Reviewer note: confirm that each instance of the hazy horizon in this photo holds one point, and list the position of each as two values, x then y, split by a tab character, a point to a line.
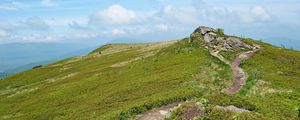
45	30
99	21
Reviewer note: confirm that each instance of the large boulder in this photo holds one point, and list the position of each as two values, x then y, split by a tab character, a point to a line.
217	41
209	37
237	43
203	30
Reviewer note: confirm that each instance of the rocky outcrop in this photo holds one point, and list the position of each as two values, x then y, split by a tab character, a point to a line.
217	41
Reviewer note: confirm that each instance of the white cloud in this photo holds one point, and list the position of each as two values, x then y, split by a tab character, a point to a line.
116	20
38	38
131	30
58	22
68	22
3	33
31	38
140	29
118	32
162	27
184	15
260	13
47	38
35	23
14	6
5	25
48	3
209	14
116	14
30	24
255	14
75	25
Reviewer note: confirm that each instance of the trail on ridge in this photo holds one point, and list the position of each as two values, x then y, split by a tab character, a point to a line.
239	75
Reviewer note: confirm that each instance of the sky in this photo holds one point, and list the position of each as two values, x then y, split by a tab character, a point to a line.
274	21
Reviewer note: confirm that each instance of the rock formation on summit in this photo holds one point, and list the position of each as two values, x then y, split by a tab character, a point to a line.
218	40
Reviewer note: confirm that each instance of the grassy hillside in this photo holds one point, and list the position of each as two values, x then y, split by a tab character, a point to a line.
103	85
273	87
119	81
276	82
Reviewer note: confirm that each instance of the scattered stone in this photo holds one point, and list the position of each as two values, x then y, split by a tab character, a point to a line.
217	41
191	110
165	113
158	113
38	66
209	37
233	109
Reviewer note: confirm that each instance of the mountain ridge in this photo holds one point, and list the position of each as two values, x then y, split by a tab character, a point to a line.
123	81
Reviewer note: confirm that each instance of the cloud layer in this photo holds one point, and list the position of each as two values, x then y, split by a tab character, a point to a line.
73	20
115	15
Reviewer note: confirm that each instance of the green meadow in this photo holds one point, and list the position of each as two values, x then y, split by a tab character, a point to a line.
120	81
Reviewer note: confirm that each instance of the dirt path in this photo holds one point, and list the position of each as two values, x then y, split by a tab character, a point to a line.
158	113
239	80
239	75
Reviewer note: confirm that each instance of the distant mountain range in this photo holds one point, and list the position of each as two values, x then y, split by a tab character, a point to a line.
284	42
18	57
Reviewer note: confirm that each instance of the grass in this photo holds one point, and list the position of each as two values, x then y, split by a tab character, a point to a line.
229	55
91	87
279	68
101	49
277	71
249	84
272	89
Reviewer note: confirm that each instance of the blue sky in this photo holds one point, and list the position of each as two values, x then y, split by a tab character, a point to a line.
274	21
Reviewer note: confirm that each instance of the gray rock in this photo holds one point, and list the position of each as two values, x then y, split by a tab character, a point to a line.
232	40
237	43
233	109
221	39
226	46
209	37
203	30
217	42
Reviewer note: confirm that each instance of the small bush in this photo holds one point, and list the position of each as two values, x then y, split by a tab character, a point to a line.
220	31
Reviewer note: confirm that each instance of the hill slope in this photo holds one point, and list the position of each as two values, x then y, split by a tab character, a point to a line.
120	81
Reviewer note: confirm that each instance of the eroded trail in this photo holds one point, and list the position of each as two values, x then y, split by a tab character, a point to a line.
239	80
158	113
239	75
217	43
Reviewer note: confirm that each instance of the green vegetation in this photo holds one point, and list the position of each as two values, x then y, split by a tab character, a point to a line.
209	111
249	84
229	55
220	32
123	80
272	89
104	47
92	87
205	107
277	74
176	114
